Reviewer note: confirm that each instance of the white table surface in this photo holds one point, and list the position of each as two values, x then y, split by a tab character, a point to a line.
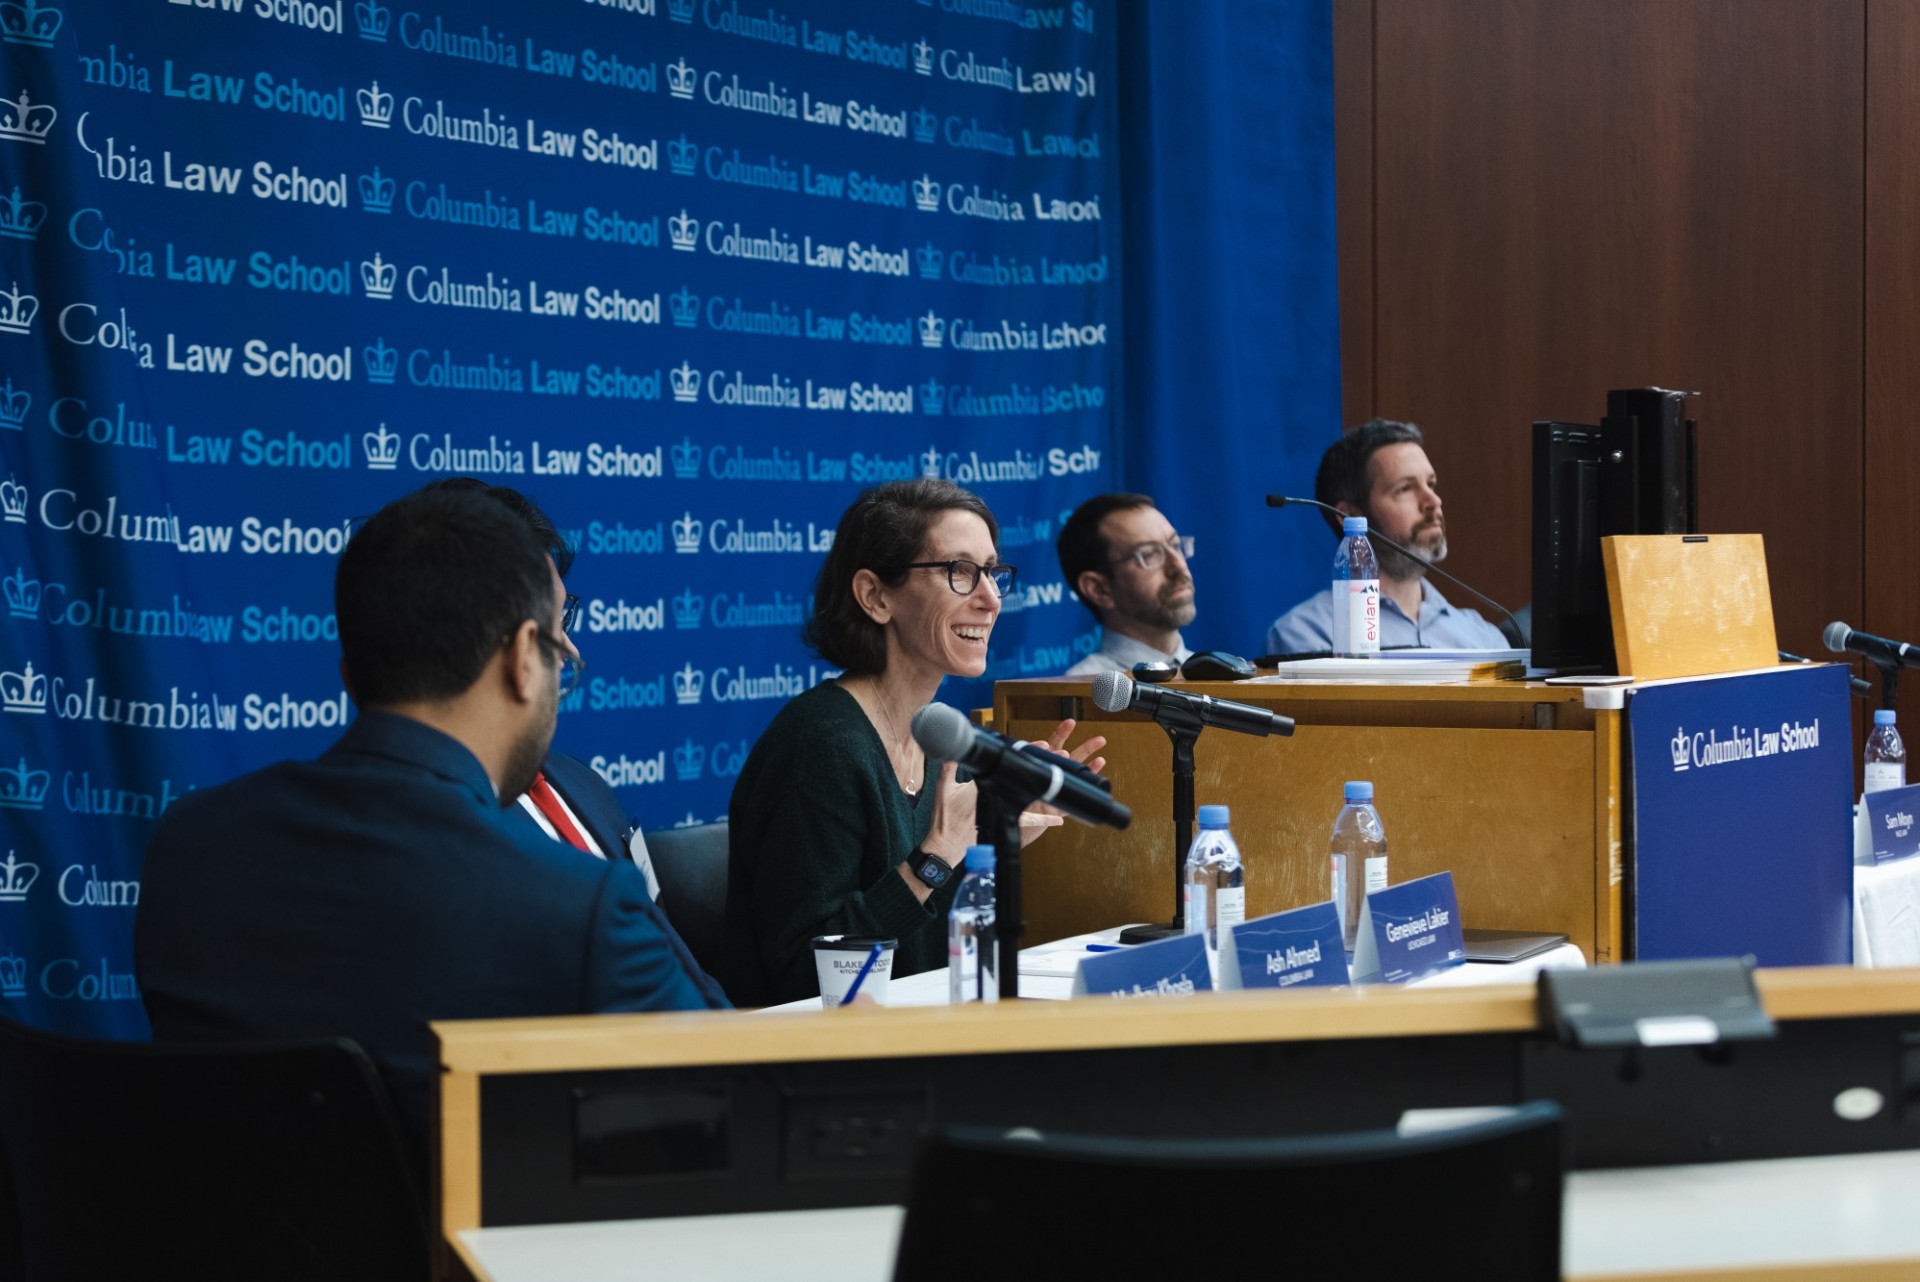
1046	972
1747	1216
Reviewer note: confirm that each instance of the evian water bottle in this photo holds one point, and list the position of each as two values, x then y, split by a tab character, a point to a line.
1359	857
1356	593
1886	755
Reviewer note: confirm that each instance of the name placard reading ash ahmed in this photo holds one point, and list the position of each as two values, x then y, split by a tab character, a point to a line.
1286	949
1173	967
1408	932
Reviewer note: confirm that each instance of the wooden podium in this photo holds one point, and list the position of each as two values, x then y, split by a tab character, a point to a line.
1513	787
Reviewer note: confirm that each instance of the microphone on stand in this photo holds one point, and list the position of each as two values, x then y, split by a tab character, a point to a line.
1842	639
1117	692
1282	500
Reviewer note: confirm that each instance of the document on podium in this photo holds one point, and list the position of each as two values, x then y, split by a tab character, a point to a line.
1405	666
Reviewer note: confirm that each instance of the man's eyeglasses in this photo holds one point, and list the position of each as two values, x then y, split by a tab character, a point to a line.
1151	556
571	665
964	576
570	613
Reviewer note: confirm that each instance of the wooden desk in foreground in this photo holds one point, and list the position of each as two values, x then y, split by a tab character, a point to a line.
570	1120
1514	787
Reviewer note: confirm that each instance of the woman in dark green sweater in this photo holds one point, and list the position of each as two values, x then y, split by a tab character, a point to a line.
836	828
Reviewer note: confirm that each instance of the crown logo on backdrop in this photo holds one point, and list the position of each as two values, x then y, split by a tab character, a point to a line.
687	608
17	310
686	461
29	23
383	449
681	11
686	533
680	78
23	789
931	260
686	382
376	192
691	821
22	593
688	759
23	691
1682	749
925	125
21	218
21	121
374	20
681	155
383	362
685	306
933	397
378	276
688	683
923	57
13	975
376	107
13	501
684	229
926	194
13	407
930	461
933	330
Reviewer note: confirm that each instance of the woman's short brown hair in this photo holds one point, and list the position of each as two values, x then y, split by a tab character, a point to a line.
884	531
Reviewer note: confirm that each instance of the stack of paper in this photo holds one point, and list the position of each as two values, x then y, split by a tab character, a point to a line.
1408	666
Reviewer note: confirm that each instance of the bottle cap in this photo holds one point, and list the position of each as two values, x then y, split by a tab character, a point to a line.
1213	816
1359	790
980	858
1883	716
1353	525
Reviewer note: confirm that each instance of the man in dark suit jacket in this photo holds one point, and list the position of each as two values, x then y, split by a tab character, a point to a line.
382	886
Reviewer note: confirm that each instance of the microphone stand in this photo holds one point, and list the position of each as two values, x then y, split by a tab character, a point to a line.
1184	731
997	817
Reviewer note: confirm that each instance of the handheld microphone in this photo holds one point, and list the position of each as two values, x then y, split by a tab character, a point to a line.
1117	692
1861	689
1282	500
945	734
1842	639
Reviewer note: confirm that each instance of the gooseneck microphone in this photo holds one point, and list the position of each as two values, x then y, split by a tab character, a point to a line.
1842	639
945	734
1117	692
1282	500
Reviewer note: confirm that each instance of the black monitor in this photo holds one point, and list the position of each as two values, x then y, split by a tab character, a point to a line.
1633	474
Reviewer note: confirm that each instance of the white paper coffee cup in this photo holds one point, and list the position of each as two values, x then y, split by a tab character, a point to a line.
838	959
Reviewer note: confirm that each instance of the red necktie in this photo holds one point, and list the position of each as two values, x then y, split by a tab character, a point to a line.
548	803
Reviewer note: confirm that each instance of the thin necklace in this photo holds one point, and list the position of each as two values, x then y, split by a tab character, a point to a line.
911	789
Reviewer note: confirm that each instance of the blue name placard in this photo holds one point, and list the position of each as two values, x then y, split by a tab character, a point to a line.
1891	831
1166	968
1285	949
1408	932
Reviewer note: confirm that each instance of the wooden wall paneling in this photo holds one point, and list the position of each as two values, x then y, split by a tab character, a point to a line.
1572	197
1890	514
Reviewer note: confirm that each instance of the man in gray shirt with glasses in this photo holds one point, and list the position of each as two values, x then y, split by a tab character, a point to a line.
1123	560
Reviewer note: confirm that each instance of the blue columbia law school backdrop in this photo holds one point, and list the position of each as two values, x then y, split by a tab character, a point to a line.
690	273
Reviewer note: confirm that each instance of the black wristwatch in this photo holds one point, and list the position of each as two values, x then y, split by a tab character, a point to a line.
932	870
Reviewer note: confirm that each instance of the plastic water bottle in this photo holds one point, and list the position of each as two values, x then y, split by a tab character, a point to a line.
1216	898
973	959
1359	857
1886	755
1356	592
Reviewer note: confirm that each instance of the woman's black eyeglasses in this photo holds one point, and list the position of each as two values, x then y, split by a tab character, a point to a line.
963	576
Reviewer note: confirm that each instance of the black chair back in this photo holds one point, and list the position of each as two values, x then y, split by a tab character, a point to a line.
692	866
269	1160
1483	1200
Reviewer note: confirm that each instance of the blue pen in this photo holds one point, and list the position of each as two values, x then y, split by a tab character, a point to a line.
1106	948
854	990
